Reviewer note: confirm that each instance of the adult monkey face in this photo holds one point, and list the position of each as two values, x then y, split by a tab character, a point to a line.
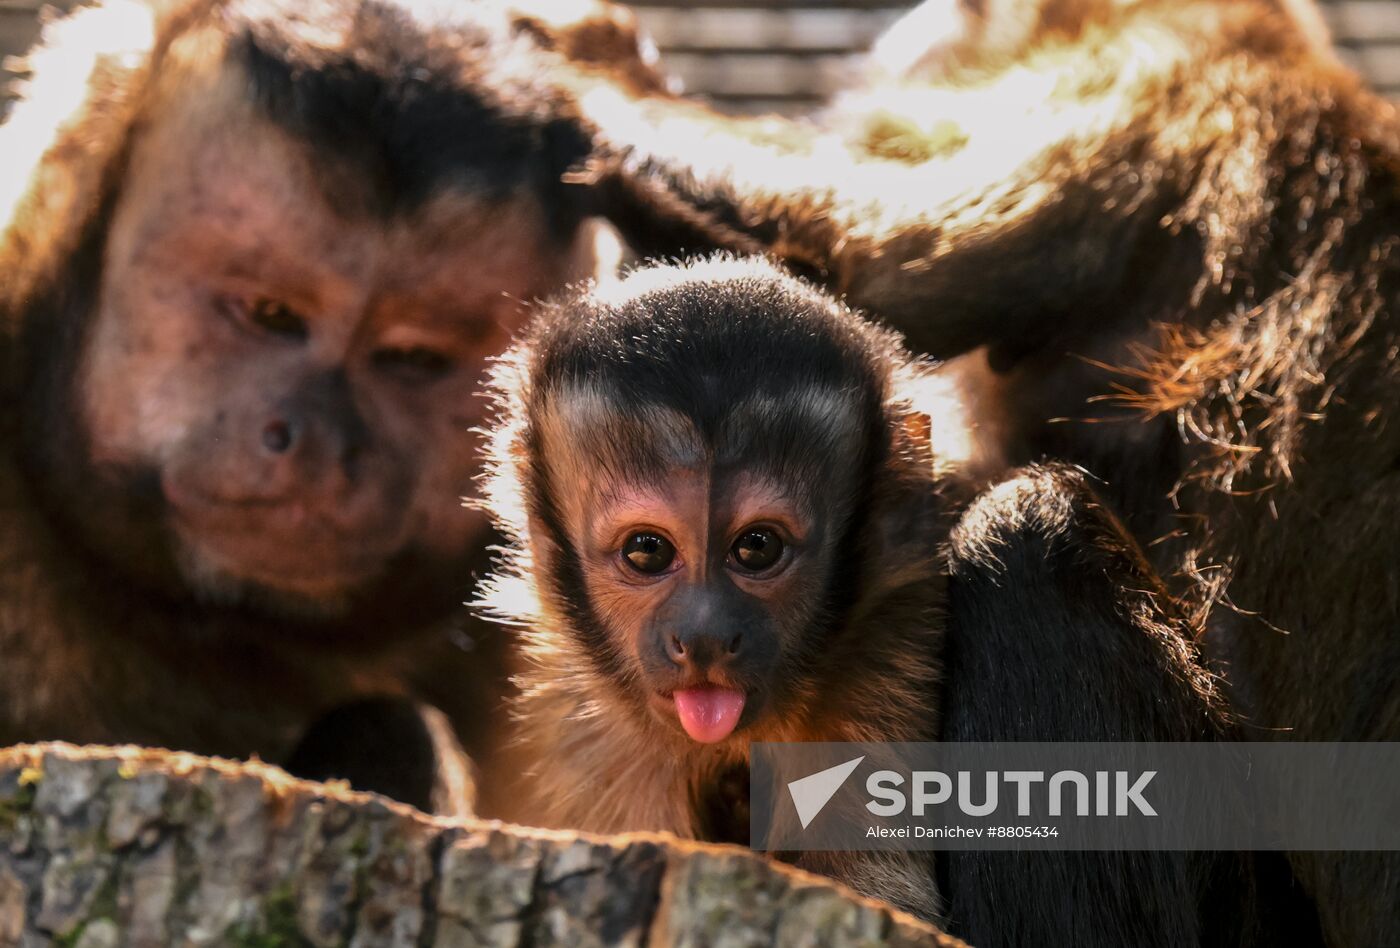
252	255
296	378
272	393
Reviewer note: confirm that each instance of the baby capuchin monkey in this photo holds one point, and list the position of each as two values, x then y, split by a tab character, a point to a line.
737	512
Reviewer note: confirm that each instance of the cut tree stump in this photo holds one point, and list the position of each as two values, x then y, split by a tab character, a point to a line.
101	847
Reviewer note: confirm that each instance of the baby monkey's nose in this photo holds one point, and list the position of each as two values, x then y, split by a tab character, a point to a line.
701	648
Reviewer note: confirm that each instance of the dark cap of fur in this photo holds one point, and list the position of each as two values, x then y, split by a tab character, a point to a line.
716	341
414	106
699	338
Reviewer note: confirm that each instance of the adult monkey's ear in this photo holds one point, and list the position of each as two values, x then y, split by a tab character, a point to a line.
595	34
601	44
935	466
62	147
906	517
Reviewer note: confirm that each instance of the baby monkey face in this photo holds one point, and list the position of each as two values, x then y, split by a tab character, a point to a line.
699	476
704	580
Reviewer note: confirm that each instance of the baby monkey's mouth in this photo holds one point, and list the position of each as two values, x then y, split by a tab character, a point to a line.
708	713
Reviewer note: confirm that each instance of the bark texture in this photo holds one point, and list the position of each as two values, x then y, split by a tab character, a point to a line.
101	847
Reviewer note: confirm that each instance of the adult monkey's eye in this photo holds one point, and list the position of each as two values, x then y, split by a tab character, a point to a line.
648	553
757	549
277	319
417	362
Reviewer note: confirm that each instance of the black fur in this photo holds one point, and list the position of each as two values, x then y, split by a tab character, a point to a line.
1059	631
384	744
1052	627
1187	287
690	345
415	108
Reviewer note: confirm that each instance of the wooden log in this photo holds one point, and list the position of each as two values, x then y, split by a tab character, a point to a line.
101	847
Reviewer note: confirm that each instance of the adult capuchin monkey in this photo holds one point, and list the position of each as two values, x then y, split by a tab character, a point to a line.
1163	233
253	257
738	512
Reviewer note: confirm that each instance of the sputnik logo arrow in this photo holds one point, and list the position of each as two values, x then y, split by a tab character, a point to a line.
812	793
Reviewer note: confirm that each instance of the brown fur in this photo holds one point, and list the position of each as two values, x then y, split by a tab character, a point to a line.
1165	232
620	410
592	755
163	578
595	33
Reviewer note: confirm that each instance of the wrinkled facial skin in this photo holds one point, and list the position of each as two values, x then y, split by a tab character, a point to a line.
297	384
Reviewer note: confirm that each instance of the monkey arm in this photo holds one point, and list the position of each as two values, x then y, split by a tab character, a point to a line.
1041	197
1041	227
1057	631
1042	571
403	749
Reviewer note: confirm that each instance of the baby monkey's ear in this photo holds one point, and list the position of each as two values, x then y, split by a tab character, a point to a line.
908	512
913	439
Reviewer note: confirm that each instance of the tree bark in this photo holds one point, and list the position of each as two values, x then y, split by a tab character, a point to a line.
101	847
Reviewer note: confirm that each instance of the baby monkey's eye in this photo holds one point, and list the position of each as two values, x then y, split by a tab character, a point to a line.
648	553
757	549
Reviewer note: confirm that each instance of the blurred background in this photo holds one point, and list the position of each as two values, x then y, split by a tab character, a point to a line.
788	55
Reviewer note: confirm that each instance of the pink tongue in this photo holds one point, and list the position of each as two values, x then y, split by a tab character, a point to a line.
709	714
